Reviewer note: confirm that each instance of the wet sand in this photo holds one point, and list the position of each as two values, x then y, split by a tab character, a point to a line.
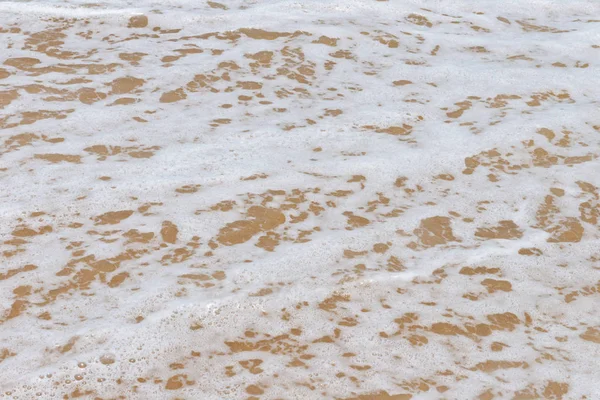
371	200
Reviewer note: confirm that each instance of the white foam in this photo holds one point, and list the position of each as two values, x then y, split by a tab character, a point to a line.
169	307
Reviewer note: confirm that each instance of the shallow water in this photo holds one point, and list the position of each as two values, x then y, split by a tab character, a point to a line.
300	200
